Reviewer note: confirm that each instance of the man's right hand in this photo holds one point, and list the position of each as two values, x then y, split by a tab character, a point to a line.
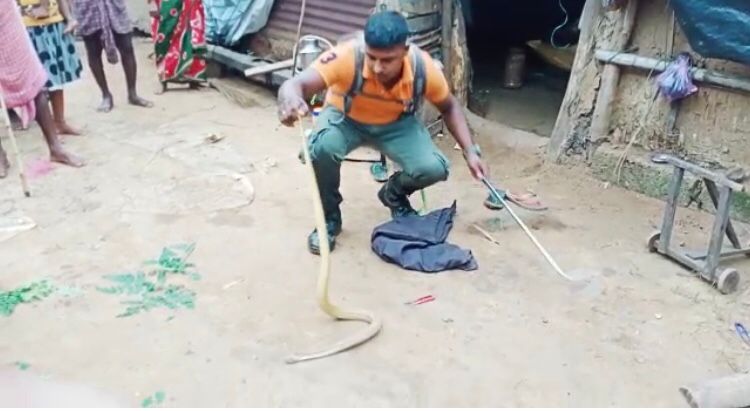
291	108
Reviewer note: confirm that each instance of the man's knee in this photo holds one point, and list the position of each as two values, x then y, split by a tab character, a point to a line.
328	145
429	171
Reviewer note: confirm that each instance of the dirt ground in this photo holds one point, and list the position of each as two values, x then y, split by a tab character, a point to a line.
512	333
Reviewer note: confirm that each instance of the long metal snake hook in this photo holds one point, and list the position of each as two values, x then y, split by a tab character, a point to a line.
526	230
375	323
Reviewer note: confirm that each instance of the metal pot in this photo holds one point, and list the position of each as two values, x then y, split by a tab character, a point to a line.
515	68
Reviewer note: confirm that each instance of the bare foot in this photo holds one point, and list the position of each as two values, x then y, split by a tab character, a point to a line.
107	104
135	100
4	164
66	130
163	89
59	155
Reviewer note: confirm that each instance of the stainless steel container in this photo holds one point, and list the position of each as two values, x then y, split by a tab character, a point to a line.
515	68
310	49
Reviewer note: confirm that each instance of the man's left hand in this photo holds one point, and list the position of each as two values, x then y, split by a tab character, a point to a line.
477	167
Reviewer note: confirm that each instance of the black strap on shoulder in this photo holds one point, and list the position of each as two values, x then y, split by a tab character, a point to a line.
412	106
358	81
420	80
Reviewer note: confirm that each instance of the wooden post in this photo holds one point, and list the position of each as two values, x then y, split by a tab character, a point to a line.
447	30
460	64
717	233
565	122
670	210
600	120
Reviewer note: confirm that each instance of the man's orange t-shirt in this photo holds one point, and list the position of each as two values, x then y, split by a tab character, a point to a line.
376	105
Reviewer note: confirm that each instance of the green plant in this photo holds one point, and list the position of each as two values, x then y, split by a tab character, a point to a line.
150	288
153	400
32	292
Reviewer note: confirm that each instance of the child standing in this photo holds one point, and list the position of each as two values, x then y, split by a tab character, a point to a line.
50	24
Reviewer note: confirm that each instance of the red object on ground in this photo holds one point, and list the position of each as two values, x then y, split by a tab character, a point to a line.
422	300
38	168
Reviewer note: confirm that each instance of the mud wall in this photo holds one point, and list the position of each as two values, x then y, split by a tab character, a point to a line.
712	126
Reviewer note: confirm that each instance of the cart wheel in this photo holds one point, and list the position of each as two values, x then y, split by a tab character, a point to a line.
729	279
653	242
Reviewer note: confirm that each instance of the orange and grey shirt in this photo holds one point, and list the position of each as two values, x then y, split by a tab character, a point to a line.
376	105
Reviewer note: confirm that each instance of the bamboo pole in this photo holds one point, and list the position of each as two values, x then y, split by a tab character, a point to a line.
14	146
710	77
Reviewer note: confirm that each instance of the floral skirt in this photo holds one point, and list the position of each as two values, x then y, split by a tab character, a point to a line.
57	52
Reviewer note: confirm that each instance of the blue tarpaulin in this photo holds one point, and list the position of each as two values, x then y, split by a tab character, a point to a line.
227	21
716	28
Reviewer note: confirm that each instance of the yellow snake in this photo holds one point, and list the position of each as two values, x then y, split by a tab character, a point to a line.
338	313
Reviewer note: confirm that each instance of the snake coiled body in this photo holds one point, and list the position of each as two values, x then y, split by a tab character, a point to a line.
374	322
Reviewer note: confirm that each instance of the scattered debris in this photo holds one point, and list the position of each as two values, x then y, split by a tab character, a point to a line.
485	234
742	332
153	400
268	164
33	292
423	300
150	288
231	284
23	366
213	138
12	225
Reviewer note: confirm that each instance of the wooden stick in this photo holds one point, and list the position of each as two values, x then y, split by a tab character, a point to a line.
701	75
487	236
269	68
14	146
702	172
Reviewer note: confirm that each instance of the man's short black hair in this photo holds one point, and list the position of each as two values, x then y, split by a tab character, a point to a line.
386	29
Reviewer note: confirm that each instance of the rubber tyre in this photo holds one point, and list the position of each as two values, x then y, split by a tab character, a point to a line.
653	241
729	280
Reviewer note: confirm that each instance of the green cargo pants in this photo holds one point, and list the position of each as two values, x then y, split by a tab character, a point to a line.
406	141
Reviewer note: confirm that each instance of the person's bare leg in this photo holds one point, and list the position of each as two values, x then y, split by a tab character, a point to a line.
4	164
57	98
44	117
124	44
94	48
15	121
